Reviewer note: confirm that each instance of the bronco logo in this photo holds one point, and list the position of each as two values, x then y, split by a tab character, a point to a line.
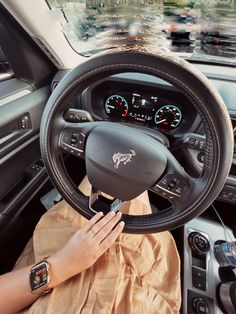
119	157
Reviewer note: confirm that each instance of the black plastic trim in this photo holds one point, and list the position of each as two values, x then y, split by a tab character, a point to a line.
27	61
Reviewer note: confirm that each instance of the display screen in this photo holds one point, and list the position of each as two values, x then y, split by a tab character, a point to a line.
38	276
148	109
143	109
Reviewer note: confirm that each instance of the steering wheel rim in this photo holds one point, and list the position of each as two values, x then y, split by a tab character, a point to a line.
203	96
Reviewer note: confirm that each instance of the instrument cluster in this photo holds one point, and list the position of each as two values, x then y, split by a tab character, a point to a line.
148	109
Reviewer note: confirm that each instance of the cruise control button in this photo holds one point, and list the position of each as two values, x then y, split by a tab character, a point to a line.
80	142
74	136
73	141
178	190
171	186
163	182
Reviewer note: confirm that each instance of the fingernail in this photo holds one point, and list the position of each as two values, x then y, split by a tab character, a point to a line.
111	214
122	223
119	214
100	214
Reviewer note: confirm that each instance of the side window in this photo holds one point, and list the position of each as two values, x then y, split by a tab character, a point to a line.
5	69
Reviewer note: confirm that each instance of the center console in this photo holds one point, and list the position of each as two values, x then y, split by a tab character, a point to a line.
228	193
202	276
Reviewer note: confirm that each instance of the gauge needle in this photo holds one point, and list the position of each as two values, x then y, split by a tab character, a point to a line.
161	121
109	106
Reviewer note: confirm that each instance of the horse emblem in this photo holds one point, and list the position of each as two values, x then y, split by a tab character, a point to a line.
125	158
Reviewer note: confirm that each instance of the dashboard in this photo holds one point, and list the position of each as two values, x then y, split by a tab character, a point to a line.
155	105
151	110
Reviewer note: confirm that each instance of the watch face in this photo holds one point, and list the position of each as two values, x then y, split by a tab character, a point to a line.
39	276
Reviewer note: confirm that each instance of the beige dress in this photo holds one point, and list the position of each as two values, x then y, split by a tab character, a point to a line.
139	274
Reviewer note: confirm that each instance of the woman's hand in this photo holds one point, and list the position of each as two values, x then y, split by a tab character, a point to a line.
81	252
85	247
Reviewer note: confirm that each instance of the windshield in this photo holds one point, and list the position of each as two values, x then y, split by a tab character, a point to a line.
199	30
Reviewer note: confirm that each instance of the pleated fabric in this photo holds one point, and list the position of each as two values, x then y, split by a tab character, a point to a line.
139	274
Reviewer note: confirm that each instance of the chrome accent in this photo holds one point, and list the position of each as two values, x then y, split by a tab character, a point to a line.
72	147
167	191
125	158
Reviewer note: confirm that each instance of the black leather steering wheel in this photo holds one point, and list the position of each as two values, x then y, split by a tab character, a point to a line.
122	161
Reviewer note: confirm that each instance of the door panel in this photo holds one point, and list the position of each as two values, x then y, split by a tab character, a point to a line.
23	95
21	171
20	120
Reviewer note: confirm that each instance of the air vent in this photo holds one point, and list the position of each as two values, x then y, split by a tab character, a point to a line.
54	84
57	78
46	49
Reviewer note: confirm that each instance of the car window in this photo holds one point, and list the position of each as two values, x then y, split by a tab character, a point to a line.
203	31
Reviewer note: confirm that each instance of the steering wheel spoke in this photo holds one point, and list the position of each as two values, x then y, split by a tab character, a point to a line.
72	141
173	187
174	184
98	202
73	137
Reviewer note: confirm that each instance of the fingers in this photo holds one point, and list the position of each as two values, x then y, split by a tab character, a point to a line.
93	221
112	220
111	238
100	224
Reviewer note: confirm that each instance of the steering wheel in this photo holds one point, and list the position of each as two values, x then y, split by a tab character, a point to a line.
123	161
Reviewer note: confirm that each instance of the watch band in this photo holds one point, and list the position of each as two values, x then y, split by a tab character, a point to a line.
39	277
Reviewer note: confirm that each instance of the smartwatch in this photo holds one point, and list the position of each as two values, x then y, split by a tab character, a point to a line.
39	277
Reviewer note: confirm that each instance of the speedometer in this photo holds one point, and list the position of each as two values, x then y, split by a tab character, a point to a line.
168	117
117	106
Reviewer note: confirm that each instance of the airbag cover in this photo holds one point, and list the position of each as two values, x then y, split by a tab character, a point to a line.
121	163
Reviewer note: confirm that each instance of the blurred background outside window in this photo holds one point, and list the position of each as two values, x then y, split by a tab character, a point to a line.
202	30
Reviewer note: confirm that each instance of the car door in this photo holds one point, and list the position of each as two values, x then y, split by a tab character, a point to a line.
25	76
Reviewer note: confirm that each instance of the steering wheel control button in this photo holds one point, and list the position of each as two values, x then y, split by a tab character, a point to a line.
200	306
77	115
165	193
72	143
172	185
194	141
198	243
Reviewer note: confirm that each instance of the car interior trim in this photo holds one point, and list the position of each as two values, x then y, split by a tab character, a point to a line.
8	99
18	149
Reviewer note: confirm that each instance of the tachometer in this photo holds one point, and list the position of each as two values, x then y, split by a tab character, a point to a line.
168	117
117	106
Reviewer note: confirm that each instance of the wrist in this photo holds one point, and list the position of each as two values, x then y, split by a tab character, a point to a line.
56	272
61	270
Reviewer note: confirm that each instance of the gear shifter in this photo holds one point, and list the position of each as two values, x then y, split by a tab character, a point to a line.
225	254
228	296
